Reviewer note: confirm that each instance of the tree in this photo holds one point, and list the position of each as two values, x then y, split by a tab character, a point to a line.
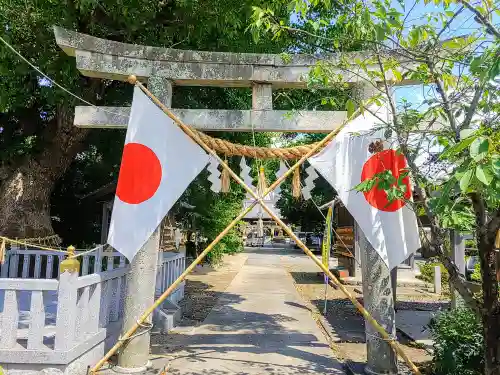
38	141
455	128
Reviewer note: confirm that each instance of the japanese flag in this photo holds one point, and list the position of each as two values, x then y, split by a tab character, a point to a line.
349	159
159	162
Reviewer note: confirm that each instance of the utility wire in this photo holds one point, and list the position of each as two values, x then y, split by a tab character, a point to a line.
55	83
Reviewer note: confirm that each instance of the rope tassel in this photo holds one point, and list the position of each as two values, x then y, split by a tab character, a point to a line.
262	183
296	183
2	250
224	180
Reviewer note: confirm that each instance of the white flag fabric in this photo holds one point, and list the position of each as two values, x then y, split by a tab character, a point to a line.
159	162
348	160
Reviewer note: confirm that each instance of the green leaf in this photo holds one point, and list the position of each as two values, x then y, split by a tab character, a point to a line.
475	63
455	149
350	107
466	180
366	185
380	30
397	75
466	133
479	148
483	174
495	165
452	44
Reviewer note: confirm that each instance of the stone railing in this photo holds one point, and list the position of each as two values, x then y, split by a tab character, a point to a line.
170	267
62	323
26	263
66	324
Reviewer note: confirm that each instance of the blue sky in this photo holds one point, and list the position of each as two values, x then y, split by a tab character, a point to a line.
462	25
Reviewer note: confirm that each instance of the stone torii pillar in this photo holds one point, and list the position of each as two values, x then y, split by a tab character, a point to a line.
378	294
142	276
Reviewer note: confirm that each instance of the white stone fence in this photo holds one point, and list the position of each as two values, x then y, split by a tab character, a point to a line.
69	322
58	322
170	267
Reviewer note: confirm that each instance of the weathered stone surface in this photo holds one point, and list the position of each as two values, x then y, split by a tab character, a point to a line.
262	96
142	276
21	372
220	120
51	371
103	58
378	300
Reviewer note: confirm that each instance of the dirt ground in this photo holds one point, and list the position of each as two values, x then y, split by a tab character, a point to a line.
347	325
205	285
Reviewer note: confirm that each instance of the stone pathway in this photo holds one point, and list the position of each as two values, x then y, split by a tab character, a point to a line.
259	326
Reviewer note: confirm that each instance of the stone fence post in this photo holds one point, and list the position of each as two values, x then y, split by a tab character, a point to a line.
66	303
437	279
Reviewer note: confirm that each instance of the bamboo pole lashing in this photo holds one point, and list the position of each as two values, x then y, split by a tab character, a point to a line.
258	199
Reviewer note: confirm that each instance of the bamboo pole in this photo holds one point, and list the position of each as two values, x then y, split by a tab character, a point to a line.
188	131
166	293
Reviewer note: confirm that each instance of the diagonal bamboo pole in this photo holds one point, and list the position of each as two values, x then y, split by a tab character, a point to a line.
169	290
188	131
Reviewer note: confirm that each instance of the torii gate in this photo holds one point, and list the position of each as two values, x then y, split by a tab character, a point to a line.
163	68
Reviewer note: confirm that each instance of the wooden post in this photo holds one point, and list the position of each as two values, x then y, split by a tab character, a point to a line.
497	247
106	207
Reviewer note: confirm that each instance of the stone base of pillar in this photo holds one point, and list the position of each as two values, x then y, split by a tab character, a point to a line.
357	368
133	370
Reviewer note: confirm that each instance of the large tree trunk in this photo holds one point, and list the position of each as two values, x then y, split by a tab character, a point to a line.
491	304
25	193
490	313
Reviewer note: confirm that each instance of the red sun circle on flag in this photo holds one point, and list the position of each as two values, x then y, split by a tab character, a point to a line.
140	174
382	161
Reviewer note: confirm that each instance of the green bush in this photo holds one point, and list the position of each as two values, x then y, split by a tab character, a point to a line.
427	272
476	275
458	343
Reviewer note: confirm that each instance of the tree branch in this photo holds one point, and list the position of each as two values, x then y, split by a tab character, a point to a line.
473	105
388	92
446	100
447	24
481	19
